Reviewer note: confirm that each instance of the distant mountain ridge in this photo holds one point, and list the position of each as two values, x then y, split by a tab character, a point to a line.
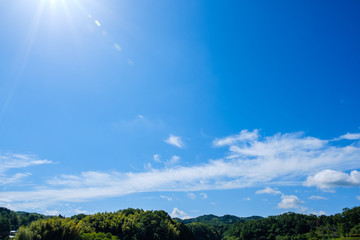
209	218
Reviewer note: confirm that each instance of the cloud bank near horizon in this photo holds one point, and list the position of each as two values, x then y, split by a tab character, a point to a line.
251	160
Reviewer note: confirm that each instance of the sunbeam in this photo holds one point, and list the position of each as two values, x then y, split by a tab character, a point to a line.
23	56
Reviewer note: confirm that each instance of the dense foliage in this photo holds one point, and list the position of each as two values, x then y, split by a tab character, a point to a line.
156	225
10	220
212	226
125	225
298	227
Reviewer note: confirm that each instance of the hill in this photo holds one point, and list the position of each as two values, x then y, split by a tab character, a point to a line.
129	224
214	220
11	220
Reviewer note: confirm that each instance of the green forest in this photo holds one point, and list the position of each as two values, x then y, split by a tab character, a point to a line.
137	224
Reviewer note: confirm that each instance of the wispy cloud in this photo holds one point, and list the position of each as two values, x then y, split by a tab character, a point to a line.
11	161
281	159
243	136
318	198
268	190
192	196
166	197
147	166
349	136
327	179
156	158
4	180
175	140
79	211
17	161
51	212
173	160
203	195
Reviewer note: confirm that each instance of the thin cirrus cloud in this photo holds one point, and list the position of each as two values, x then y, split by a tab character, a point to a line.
17	161
251	160
318	198
11	161
166	197
14	178
243	136
175	141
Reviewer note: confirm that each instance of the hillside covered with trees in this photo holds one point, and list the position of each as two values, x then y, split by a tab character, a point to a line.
10	220
156	225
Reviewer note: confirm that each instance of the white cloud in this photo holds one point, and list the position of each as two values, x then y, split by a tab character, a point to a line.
51	212
177	213
13	179
17	161
289	202
12	161
192	196
243	136
79	211
358	197
327	179
175	140
157	158
147	166
166	197
318	198
268	190
173	160
203	195
282	159
349	136
247	199
320	213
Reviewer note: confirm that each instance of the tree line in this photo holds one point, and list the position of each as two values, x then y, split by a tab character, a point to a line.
131	224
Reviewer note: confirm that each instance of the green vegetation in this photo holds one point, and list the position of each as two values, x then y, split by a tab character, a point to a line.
10	220
125	225
135	224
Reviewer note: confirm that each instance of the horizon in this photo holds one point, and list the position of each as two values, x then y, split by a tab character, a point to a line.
194	108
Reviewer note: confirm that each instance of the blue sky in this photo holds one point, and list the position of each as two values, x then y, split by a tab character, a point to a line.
193	107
